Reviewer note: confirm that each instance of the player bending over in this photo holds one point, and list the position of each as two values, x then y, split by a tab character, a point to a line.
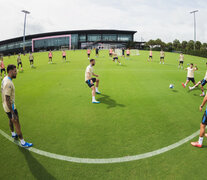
90	81
8	99
64	55
162	57
181	61
31	60
2	67
190	75
115	58
202	83
19	62
89	53
50	57
150	55
203	124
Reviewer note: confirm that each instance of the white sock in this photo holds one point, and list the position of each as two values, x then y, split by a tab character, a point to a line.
22	141
200	140
93	98
203	93
193	87
96	89
13	133
185	84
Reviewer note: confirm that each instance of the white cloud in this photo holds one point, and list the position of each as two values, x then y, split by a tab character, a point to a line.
152	19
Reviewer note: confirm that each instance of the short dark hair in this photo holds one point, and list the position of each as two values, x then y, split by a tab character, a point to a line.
92	60
10	67
191	63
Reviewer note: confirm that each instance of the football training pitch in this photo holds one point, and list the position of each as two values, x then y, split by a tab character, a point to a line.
138	114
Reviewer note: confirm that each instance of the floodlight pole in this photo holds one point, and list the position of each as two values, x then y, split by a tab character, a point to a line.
25	18
194	14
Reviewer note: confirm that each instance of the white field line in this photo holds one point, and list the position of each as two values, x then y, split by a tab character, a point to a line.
107	160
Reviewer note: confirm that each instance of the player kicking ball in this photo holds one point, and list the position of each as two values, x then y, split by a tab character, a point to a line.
190	75
90	81
202	83
203	124
115	58
8	99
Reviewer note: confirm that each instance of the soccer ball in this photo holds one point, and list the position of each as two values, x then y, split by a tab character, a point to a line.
171	86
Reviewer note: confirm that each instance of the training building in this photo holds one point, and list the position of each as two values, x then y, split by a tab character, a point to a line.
81	39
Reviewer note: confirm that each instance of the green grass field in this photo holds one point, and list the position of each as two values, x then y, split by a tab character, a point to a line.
138	114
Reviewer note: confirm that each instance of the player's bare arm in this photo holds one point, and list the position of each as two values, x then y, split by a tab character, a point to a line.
8	102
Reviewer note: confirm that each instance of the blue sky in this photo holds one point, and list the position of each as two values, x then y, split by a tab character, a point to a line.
165	19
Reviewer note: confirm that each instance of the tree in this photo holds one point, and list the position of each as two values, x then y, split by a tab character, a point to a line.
190	45
198	45
169	46
184	45
176	44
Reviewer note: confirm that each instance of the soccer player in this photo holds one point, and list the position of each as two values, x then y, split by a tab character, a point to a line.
115	58
50	57
202	83
97	52
190	75
2	67
150	55
89	53
181	61
162	57
31	59
8	100
128	53
110	52
90	80
203	124
19	62
123	52
64	55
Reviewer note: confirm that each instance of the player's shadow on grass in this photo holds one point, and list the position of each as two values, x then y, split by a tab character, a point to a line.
37	170
105	99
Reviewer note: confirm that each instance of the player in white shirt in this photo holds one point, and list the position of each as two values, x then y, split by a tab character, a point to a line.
181	61
90	80
202	83
190	75
162	57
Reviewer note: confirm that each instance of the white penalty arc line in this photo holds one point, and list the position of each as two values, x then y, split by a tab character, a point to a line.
108	160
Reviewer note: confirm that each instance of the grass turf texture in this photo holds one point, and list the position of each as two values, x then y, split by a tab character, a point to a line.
138	113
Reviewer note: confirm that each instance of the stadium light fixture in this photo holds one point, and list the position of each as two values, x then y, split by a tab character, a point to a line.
194	14
25	17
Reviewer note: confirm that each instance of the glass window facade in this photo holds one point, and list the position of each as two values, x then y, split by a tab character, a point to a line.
109	37
82	38
94	37
124	37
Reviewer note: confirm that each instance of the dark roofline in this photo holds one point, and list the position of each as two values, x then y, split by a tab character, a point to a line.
92	31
